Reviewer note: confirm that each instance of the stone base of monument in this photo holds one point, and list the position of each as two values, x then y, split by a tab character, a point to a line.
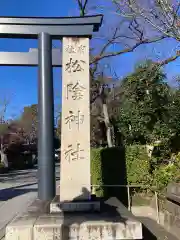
115	222
92	205
172	212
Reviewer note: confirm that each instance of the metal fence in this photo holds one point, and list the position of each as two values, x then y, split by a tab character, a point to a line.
142	200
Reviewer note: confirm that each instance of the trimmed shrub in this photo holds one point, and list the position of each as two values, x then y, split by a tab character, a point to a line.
115	166
96	171
108	167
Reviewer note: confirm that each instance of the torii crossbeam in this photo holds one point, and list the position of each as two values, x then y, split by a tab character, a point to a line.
28	59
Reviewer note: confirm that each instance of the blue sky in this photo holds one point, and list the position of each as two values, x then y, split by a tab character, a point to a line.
21	83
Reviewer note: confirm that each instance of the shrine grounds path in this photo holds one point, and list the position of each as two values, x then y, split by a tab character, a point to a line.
17	190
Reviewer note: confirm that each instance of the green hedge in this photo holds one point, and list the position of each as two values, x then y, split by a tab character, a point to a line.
108	167
138	165
118	166
96	171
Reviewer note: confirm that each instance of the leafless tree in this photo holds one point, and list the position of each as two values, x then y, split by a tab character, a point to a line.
4	103
133	23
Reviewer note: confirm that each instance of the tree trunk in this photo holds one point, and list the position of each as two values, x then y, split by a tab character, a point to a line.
4	159
108	126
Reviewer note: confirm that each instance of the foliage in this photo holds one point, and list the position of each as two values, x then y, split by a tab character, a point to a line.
164	175
145	100
147	108
29	123
174	112
108	169
105	170
96	171
138	166
176	158
115	166
142	109
13	133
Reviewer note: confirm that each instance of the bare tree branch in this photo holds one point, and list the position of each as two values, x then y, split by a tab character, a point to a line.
4	102
82	7
126	50
169	60
160	14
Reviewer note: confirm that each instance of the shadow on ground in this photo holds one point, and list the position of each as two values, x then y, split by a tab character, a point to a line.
25	175
9	193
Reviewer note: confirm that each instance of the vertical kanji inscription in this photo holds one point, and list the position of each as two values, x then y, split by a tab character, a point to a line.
75	132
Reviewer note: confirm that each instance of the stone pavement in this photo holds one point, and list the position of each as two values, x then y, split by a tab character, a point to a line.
17	204
18	189
23	196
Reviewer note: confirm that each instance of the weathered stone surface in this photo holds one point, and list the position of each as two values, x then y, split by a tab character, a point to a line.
173	189
21	228
172	223
39	207
104	231
74	207
172	208
48	227
55	227
115	224
72	228
75	133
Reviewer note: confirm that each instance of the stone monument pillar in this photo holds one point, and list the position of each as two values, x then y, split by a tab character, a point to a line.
75	131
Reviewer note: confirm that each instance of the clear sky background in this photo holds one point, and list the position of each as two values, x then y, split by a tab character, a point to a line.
20	83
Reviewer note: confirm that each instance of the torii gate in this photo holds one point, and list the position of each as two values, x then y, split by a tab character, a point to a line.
28	59
44	29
